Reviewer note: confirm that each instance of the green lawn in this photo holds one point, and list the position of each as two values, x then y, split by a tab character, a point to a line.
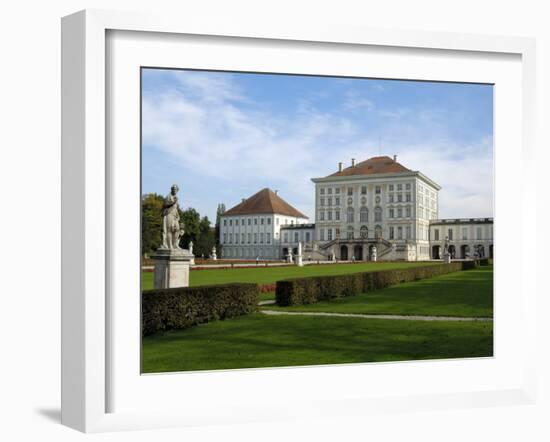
268	275
466	293
273	341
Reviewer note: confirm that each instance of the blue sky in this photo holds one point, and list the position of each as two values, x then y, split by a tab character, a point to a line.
224	136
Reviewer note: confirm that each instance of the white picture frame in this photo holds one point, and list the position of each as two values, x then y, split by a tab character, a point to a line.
87	208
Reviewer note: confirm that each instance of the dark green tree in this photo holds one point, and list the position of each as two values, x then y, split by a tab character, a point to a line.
205	239
151	222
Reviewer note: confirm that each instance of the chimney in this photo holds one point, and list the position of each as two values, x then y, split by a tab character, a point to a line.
353	162
340	164
395	158
243	200
276	191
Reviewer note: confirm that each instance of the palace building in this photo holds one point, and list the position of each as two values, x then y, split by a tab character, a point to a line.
374	207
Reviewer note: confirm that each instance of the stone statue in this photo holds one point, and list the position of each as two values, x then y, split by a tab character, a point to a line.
214	255
171	230
191	247
289	256
446	246
374	256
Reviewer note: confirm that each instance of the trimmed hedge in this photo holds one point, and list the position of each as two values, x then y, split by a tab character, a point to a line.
183	307
320	288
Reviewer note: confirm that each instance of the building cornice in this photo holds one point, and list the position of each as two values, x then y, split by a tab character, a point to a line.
377	176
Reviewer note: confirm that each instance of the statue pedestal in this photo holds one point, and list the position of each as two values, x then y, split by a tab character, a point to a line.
447	258
299	261
172	268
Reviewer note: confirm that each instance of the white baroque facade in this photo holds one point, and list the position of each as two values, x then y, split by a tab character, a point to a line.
376	203
252	229
467	237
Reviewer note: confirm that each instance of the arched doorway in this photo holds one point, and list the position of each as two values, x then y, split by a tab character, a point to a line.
491	251
436	252
452	252
358	253
480	251
344	252
464	251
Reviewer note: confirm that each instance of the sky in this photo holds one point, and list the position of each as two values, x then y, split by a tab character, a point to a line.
223	136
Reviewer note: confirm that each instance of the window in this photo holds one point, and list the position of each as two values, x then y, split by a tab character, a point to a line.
255	221
330	191
224	238
296	238
322	234
450	234
337	232
242	238
225	222
420	212
269	221
363	190
337	191
322	201
408	232
350	201
230	238
399	187
330	201
399	197
249	237
399	232
390	197
408	211
408	197
308	237
262	221
464	233
391	232
322	191
364	215
337	200
248	221
321	215
350	191
329	234
337	215
286	237
377	189
329	215
436	234
349	217
478	233
236	238
399	212
390	187
391	212
255	238
261	238
408	186
378	214
230	222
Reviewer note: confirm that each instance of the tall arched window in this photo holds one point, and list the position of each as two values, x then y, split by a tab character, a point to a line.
378	214
350	215
364	215
364	232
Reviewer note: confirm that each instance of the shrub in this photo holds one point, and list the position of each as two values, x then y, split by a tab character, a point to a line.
319	288
183	307
483	261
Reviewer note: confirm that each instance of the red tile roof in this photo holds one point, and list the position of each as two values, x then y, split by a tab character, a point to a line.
265	201
374	165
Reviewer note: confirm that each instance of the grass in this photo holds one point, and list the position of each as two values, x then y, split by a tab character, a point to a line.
274	341
465	294
268	275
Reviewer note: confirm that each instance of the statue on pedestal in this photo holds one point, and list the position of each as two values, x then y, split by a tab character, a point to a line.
171	229
374	257
191	247
214	255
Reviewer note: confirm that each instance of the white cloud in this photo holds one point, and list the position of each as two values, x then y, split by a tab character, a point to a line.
209	126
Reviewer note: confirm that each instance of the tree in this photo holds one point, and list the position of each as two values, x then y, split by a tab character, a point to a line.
151	222
219	212
191	222
205	239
